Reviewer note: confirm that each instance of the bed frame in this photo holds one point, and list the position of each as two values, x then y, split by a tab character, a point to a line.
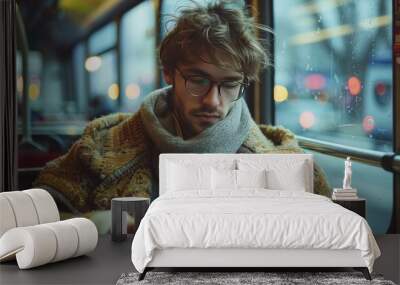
256	258
241	259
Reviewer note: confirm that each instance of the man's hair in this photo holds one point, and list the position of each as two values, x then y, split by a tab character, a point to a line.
224	34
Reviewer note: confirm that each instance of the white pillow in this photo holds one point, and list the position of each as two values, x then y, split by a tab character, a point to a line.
181	177
293	180
282	174
206	161
223	179
251	178
228	179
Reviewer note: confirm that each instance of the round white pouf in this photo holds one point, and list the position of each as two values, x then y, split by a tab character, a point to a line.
23	208
45	205
40	244
7	218
87	234
67	240
26	208
33	246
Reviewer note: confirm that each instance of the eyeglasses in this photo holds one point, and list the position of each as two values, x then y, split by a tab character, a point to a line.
199	86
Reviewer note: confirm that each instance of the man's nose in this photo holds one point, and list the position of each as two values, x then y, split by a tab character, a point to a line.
212	98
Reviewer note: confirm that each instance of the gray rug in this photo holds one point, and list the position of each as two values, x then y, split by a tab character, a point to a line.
229	278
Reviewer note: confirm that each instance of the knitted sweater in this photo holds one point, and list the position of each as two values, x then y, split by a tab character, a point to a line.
115	157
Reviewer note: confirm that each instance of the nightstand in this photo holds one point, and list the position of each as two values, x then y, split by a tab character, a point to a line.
357	206
120	209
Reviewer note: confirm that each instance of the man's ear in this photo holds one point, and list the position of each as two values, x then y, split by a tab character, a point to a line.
168	77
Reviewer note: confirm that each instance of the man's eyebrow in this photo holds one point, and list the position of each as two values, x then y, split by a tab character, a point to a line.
197	71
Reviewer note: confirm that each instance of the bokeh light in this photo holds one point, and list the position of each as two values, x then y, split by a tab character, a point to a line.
93	63
34	91
307	119
354	85
368	123
280	93
113	91
20	84
315	81
380	89
132	91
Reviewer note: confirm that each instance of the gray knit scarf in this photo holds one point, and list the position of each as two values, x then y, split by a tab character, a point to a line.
225	136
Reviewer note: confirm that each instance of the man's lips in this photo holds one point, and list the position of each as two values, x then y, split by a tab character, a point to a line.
207	117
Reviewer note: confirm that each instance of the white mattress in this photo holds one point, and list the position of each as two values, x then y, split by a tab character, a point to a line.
252	218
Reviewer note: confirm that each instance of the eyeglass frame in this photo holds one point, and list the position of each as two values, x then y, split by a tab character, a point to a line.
243	85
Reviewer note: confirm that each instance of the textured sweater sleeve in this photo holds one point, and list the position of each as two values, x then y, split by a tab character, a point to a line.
64	175
321	185
76	174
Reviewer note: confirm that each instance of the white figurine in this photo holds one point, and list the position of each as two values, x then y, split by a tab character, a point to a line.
347	174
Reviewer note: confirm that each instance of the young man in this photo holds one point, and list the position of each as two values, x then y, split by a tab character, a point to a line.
208	59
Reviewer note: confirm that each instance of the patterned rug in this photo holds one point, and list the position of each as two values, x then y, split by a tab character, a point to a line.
230	278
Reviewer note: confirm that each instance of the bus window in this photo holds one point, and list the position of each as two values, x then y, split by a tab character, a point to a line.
138	50
79	78
77	57
104	90
103	39
329	65
333	82
101	65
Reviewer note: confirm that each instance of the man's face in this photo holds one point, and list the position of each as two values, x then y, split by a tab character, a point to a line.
198	113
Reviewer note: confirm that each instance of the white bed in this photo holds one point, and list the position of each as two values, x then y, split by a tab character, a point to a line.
198	223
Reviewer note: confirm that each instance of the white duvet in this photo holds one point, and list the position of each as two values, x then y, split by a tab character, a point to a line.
252	218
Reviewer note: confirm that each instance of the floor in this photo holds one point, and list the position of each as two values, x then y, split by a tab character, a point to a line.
103	266
111	259
389	262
